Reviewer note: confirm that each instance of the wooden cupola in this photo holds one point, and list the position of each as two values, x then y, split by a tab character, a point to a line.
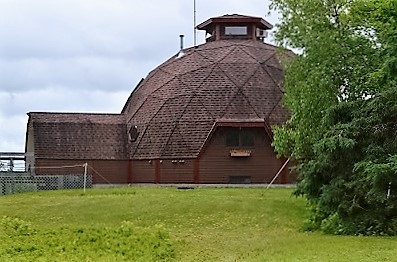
235	26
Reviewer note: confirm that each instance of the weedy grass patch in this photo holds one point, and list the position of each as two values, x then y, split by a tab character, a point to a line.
127	242
167	224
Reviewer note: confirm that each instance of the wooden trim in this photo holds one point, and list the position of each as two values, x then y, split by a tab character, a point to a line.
217	32
196	171
283	175
130	172
240	153
157	171
240	124
269	131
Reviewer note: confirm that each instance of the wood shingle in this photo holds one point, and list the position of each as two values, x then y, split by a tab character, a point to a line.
183	97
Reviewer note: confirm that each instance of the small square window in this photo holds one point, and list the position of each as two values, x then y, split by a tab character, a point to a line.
246	138
237	137
232	137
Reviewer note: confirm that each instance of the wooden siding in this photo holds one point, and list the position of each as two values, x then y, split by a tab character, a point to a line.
176	171
217	166
214	165
106	171
143	171
163	171
113	171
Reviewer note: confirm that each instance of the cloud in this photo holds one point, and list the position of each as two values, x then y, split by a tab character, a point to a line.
72	73
13	109
13	129
59	99
61	28
81	44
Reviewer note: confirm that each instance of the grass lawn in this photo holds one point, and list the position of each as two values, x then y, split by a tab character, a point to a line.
167	224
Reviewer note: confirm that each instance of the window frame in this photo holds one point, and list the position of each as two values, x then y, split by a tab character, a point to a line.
238	137
234	30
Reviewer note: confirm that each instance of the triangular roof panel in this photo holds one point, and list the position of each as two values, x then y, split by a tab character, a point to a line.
234	80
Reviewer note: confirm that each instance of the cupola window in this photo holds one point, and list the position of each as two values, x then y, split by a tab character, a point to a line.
236	30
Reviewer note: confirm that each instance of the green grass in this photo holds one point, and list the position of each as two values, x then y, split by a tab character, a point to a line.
167	224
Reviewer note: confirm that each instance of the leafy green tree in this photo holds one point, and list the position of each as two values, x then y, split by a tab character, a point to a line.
342	93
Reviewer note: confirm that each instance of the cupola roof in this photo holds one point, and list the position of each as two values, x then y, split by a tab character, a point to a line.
236	19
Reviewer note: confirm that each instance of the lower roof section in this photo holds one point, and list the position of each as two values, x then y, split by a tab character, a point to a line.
77	136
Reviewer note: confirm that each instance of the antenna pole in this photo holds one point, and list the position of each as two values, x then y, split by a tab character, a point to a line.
194	21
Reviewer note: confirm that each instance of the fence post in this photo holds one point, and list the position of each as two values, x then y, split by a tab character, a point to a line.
85	175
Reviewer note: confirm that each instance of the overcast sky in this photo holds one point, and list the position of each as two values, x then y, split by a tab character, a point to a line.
88	55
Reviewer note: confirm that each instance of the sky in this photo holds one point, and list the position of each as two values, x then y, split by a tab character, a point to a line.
88	55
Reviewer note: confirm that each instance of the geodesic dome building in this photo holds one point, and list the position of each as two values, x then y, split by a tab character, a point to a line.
203	116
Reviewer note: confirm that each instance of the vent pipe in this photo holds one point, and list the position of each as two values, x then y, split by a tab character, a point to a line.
181	37
180	53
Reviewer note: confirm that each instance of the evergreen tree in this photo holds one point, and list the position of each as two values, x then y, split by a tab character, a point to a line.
342	93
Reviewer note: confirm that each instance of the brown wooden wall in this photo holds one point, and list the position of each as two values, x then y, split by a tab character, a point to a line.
216	164
163	171
143	171
102	171
176	171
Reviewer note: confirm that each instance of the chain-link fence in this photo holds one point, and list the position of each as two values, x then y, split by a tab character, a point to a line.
11	183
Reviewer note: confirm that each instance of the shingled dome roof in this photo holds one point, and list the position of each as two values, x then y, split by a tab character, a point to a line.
173	112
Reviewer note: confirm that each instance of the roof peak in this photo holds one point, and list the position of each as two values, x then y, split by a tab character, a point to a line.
236	16
71	113
235	26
